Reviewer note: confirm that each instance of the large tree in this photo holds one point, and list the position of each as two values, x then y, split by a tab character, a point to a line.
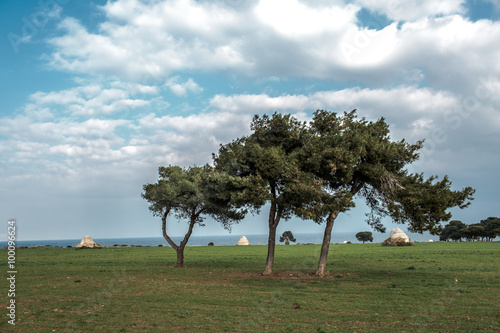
193	194
270	161
356	157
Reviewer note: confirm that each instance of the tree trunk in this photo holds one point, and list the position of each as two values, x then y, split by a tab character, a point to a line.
164	230
274	219
179	248
180	256
326	243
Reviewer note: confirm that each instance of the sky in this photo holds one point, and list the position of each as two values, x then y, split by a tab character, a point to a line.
96	95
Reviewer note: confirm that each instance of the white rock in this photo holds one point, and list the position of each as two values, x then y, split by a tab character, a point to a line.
243	241
88	243
398	233
396	236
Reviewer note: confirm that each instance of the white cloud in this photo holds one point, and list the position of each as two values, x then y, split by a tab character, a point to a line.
412	99
95	99
182	89
259	103
409	10
295	19
144	41
150	42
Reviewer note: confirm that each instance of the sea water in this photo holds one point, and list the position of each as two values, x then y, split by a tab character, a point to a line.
218	240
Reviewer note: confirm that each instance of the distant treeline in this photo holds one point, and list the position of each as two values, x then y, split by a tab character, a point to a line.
486	230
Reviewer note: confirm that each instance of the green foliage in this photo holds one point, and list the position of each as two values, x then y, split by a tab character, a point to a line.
357	157
364	236
287	237
423	203
488	230
491	227
453	230
401	243
193	194
269	162
271	165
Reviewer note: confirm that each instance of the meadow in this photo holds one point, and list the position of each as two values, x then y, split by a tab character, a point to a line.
429	287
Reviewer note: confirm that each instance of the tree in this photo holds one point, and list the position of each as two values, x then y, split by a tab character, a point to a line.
192	194
270	162
286	237
492	227
475	232
356	157
364	236
454	230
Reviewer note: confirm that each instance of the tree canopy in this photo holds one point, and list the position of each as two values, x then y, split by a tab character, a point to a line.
364	236
487	229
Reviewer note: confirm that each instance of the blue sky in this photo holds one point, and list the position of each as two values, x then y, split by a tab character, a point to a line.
97	94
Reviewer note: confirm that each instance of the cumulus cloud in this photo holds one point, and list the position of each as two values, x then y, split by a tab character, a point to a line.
143	41
182	89
447	121
412	99
96	99
151	42
295	19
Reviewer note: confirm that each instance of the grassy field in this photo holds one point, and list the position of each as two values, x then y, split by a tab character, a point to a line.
430	287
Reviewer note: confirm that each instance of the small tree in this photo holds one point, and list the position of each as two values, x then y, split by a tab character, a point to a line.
192	194
286	237
364	236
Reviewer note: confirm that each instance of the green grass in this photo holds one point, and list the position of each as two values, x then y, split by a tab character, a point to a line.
430	287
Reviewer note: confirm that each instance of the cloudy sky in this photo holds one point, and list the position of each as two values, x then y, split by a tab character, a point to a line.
97	94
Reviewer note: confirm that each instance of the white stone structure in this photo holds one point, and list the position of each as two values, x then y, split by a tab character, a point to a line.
396	236
243	241
88	243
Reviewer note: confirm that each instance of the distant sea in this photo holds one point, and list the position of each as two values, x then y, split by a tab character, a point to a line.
220	240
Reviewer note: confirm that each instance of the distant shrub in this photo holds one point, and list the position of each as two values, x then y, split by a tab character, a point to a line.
405	243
